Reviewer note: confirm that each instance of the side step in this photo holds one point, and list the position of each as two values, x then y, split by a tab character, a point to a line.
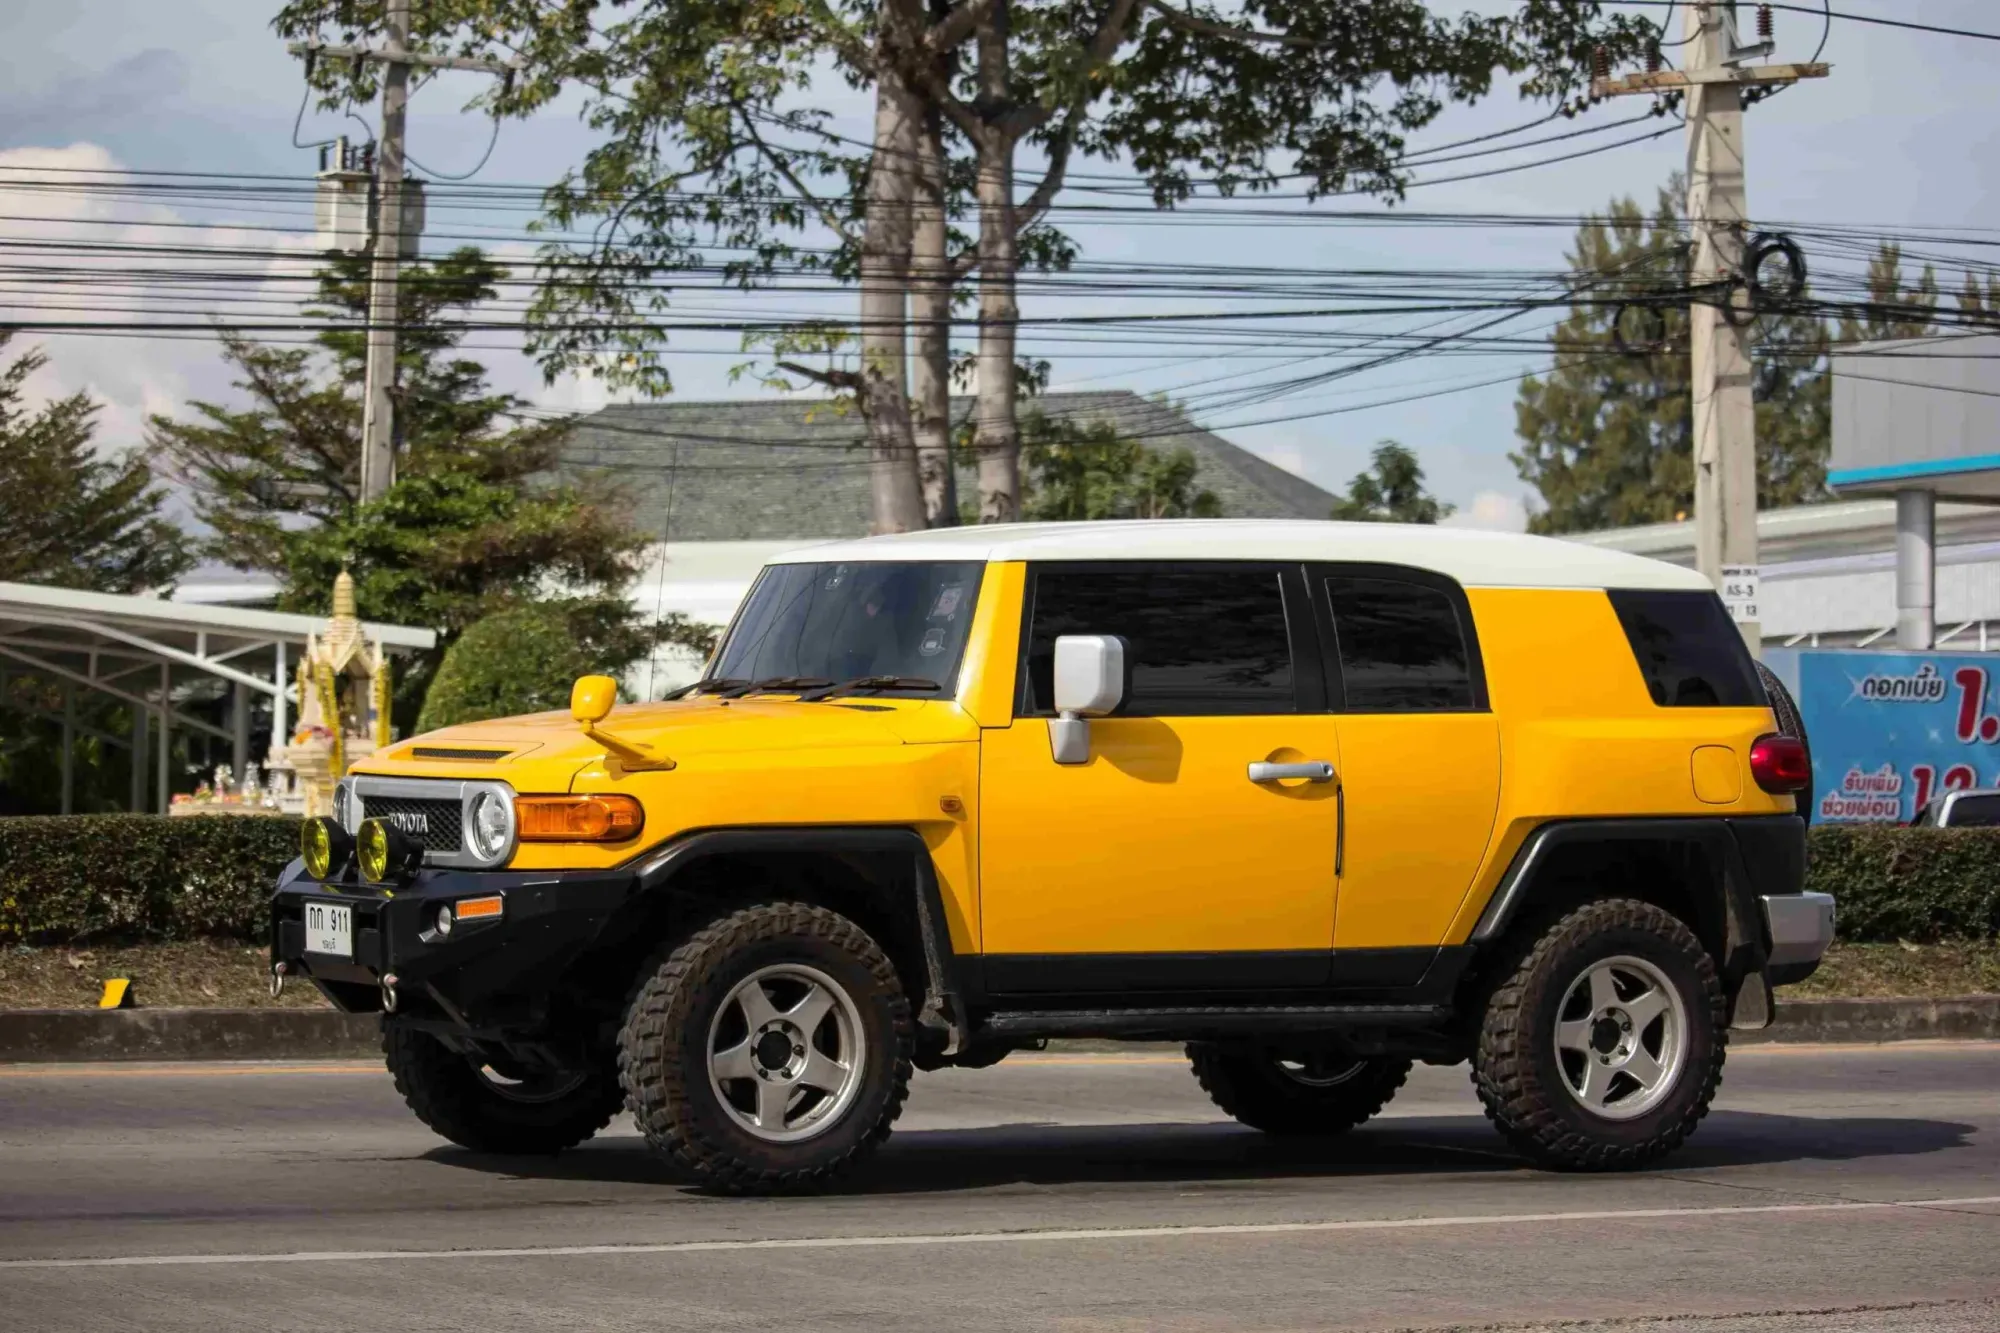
1201	1022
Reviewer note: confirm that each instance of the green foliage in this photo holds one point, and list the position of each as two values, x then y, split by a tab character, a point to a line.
1079	471
1607	437
475	522
525	660
1894	309
1913	884
69	517
139	877
1391	492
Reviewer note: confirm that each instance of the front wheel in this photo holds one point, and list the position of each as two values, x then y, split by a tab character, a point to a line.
1602	1047
1304	1093
769	1052
465	1099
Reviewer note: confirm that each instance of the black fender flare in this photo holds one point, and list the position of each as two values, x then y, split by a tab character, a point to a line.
942	1011
1745	948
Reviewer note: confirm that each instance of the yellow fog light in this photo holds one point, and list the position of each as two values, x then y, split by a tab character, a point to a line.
325	847
386	852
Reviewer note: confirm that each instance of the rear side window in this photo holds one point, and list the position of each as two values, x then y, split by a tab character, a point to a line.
1402	648
1204	639
1688	649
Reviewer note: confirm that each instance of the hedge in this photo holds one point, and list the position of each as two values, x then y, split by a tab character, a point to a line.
1920	885
140	877
82	878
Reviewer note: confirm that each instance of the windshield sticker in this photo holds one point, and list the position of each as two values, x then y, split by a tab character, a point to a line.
933	643
948	599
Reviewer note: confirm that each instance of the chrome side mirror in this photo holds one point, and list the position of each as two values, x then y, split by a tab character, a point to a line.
1093	675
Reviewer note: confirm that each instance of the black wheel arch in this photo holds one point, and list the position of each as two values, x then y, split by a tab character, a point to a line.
882	877
1709	872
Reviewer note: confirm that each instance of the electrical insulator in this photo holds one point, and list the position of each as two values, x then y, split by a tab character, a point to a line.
1764	25
1600	63
1653	60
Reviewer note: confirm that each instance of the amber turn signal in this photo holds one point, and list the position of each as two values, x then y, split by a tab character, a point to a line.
578	818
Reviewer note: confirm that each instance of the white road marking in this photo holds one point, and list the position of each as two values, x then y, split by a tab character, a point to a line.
996	1237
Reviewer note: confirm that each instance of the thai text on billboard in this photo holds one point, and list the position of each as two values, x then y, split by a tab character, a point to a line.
1891	730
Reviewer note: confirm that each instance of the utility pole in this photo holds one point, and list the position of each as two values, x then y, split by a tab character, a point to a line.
1720	317
378	420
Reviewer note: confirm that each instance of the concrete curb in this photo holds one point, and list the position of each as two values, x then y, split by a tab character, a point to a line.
29	1036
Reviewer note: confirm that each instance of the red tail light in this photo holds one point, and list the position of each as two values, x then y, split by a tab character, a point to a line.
1780	765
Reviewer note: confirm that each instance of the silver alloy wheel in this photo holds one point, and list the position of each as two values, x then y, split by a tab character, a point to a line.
786	1052
1321	1071
1621	1037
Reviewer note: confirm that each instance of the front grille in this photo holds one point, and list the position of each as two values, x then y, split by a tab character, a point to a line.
433	823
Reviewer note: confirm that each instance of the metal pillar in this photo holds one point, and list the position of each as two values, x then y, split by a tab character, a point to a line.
1916	570
166	736
281	732
69	749
141	731
239	729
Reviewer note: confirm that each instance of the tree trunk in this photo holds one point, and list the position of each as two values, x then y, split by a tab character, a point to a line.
930	312
996	436
898	501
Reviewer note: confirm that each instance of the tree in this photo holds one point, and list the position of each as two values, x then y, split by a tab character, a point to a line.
1079	472
1607	434
1392	491
1893	310
69	516
714	156
525	659
475	522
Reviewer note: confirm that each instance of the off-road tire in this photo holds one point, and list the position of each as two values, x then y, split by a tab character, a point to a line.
663	1049
1515	1067
1249	1083
1791	722
449	1094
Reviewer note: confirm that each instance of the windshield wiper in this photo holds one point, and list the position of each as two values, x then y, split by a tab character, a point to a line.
870	685
777	685
708	685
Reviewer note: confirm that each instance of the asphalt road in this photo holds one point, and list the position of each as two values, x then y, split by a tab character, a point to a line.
1834	1190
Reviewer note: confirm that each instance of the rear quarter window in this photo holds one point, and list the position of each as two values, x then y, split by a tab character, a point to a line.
1688	649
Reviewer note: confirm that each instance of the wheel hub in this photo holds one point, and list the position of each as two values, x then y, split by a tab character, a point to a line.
1611	1035
1622	1037
779	1050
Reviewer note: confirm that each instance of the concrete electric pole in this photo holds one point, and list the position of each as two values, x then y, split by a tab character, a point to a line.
1720	319
387	243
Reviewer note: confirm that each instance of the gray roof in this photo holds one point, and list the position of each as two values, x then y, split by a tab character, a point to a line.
777	470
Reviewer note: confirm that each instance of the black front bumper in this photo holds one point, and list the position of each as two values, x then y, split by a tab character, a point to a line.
490	976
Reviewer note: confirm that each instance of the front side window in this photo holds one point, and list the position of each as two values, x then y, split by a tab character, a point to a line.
1688	649
841	621
1401	647
1203	639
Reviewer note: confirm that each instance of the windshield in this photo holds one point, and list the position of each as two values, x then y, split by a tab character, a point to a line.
837	622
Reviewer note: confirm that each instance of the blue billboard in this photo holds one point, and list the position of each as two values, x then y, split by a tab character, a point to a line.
1891	730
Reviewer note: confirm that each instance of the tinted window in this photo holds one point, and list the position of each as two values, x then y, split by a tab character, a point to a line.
1688	650
839	621
1203	640
1401	647
1975	811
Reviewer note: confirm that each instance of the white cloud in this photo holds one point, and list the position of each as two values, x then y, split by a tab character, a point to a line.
1492	511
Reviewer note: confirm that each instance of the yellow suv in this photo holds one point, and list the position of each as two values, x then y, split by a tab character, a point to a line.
1319	800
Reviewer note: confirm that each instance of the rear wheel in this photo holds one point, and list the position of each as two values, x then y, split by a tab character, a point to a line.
1299	1093
1601	1048
466	1099
770	1052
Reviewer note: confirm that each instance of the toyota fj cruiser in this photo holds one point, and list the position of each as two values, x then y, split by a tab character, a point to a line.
1319	800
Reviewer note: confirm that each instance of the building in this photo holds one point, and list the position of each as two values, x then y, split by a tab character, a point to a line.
727	484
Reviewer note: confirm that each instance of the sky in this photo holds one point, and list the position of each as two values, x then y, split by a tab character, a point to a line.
1902	134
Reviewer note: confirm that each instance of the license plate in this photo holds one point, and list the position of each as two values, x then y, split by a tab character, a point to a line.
330	929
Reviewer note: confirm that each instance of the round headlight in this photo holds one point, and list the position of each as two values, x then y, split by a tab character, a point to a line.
316	848
490	825
373	849
343	804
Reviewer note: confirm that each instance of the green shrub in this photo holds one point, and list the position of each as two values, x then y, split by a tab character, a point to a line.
1909	884
79	878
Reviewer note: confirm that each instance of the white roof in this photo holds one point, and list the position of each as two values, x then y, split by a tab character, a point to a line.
31	603
1475	559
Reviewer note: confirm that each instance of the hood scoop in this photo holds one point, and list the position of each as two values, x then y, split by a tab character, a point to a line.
458	754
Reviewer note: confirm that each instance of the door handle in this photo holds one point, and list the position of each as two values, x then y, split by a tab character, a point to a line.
1312	770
